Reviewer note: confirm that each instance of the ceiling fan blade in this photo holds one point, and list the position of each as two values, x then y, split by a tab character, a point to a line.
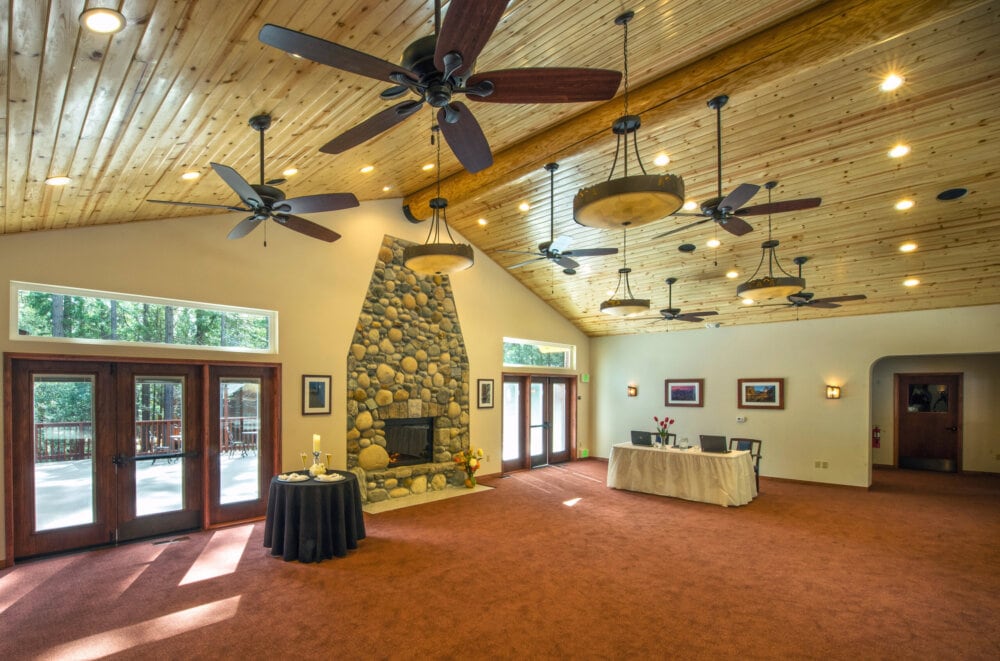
591	252
465	138
707	313
779	207
307	227
681	229
821	302
245	226
736	226
239	185
566	262
371	127
548	85
466	28
327	52
521	252
317	203
199	204
688	317
526	262
738	197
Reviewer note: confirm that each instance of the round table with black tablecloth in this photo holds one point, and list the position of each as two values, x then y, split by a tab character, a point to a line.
309	521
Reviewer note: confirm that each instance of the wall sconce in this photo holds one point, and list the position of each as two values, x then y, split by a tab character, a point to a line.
833	392
633	391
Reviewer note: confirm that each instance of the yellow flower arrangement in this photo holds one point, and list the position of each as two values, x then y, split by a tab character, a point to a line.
469	460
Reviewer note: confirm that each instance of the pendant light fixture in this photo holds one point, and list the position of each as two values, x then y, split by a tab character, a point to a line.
630	200
435	256
626	305
762	287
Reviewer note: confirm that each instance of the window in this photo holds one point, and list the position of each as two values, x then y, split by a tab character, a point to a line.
530	353
67	314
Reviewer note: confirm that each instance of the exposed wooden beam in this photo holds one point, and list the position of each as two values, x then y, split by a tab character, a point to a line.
833	30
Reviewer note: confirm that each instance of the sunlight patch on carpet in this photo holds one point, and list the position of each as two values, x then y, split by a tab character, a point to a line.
220	556
420	499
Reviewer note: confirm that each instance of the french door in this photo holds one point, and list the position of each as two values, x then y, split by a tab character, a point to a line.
103	452
539	420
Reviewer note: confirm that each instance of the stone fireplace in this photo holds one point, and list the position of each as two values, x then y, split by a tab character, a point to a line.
408	383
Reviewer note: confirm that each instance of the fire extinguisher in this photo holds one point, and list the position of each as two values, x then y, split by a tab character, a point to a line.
876	437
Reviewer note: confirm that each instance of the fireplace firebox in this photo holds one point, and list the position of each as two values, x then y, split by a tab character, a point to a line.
409	440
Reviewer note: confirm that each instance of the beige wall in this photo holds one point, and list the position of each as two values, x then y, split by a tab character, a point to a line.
317	288
808	354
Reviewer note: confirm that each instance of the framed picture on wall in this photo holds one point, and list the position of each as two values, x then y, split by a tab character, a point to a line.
684	392
484	388
761	394
315	394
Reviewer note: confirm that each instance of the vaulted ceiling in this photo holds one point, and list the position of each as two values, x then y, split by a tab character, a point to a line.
124	116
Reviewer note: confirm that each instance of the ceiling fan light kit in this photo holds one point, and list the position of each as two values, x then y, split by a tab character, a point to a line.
630	200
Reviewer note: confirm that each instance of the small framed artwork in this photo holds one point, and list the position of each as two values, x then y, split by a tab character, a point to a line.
315	394
684	392
484	388
761	394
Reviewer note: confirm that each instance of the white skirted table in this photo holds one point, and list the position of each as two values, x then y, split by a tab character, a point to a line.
709	477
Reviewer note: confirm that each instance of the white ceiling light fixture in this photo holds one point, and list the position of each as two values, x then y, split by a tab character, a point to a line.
630	200
434	256
58	181
102	20
627	304
761	287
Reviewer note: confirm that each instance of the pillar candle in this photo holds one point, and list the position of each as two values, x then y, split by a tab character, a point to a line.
315	442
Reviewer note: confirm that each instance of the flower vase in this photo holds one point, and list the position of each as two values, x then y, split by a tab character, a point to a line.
470	480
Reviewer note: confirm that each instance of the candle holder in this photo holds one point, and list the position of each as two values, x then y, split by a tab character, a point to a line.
317	468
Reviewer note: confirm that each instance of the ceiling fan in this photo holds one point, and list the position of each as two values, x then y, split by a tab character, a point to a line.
264	201
805	299
555	249
726	210
670	313
437	67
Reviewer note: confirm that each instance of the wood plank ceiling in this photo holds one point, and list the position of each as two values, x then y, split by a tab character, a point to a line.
125	116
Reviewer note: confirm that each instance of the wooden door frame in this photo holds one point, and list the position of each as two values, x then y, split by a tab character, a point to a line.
8	430
897	378
525	379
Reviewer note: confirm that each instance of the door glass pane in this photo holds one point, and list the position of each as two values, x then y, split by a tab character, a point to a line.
927	397
558	417
159	437
511	421
64	451
537	439
239	427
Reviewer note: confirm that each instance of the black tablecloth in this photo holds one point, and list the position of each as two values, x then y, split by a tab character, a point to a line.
309	521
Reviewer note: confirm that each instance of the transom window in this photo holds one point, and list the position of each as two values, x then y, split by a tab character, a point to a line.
533	353
67	314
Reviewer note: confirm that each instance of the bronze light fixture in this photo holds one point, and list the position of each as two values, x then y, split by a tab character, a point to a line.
767	285
627	304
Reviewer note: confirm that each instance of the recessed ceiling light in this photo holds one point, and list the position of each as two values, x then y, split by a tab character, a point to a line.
102	20
524	206
909	246
482	221
190	176
661	160
427	167
58	181
368	168
386	189
713	243
899	150
911	282
891	82
746	301
290	172
732	274
903	205
690	205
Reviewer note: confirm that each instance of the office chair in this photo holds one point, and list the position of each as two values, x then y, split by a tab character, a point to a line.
753	445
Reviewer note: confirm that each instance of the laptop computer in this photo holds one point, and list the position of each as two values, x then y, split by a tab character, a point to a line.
711	443
642	437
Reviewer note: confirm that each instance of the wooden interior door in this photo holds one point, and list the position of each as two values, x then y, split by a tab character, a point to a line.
928	421
539	420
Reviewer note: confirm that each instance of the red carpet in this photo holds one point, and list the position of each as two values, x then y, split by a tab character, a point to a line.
908	570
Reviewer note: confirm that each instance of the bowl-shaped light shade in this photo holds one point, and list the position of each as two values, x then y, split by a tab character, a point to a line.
437	258
102	20
768	287
625	307
628	201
